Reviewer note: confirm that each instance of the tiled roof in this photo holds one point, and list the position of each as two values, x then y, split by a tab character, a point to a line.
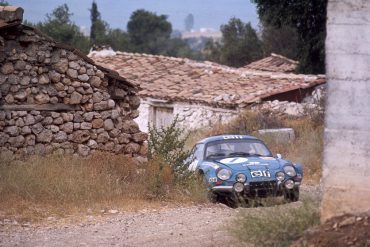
184	80
274	63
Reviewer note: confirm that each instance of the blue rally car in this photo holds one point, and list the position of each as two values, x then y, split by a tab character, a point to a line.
241	166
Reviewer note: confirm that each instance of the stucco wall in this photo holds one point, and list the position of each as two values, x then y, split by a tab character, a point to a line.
190	116
143	119
346	171
195	116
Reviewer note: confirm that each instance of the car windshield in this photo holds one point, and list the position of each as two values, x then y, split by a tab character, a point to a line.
227	148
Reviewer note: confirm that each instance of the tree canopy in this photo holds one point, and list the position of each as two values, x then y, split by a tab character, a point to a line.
3	3
189	22
240	43
59	26
308	17
99	28
281	41
148	32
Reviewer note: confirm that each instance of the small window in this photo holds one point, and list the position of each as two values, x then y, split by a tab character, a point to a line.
162	116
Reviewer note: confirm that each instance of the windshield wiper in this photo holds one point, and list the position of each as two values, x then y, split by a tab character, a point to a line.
215	155
244	154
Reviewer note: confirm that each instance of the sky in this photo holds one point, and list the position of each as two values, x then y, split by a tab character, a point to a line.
207	13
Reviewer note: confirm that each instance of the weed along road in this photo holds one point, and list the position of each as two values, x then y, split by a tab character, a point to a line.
184	225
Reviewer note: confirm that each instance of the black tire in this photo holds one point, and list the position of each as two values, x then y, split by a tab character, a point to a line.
291	195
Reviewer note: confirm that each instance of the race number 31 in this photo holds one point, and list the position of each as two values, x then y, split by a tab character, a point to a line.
260	174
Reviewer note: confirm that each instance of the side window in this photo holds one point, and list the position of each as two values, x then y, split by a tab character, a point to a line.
199	151
196	156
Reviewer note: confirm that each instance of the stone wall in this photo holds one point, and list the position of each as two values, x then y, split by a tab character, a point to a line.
346	170
54	100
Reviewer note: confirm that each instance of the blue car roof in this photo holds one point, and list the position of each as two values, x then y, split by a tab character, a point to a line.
227	137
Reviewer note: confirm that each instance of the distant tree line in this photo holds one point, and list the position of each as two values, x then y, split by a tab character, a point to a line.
282	31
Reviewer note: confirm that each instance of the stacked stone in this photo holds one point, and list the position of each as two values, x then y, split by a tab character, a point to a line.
34	71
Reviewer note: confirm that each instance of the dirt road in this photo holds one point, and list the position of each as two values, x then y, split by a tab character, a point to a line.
184	226
201	225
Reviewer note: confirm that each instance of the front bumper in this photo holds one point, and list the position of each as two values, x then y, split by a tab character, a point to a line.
253	189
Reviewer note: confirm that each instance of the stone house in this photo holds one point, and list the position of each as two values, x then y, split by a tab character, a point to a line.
201	93
55	99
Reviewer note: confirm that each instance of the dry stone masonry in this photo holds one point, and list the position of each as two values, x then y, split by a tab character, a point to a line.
54	99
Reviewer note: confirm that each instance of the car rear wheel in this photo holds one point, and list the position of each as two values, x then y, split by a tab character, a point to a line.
291	195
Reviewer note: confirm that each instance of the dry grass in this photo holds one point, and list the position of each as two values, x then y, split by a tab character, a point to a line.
278	225
58	185
306	149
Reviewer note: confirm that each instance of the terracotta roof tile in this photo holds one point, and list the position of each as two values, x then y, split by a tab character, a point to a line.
274	63
179	79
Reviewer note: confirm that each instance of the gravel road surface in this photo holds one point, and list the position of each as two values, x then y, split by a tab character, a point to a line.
200	225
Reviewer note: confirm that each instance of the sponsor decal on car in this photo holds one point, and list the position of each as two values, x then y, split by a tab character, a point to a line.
230	161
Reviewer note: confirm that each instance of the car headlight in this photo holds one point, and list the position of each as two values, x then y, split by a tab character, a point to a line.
238	187
280	176
241	178
224	174
290	171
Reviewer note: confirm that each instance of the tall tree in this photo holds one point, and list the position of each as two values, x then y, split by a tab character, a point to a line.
118	40
240	43
99	28
189	22
3	3
309	19
59	26
281	40
148	32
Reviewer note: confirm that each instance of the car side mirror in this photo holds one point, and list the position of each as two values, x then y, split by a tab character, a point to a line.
279	156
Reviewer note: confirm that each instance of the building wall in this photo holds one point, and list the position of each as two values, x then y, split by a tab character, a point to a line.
195	116
190	116
143	119
51	100
346	171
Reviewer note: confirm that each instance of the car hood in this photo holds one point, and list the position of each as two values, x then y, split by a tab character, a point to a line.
251	163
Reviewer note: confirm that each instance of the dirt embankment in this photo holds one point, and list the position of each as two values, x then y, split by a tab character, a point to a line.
346	230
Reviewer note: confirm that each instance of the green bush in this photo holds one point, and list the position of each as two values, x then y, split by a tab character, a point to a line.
167	144
168	159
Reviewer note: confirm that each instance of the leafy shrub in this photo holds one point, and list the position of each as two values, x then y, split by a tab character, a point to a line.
167	144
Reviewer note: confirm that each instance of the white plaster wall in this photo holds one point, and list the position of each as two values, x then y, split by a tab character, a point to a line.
195	116
143	119
190	116
346	171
